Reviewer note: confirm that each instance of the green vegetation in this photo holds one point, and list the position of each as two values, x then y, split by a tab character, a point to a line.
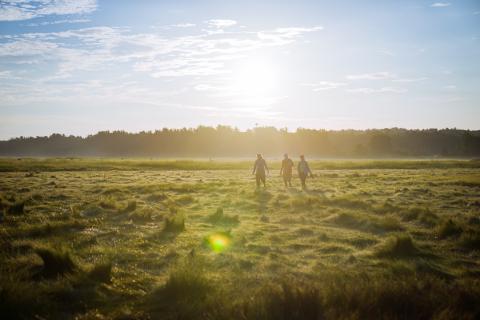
130	239
35	165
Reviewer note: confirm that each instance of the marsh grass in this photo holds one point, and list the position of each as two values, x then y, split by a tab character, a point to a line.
187	294
131	206
398	247
219	217
174	224
358	244
101	272
449	228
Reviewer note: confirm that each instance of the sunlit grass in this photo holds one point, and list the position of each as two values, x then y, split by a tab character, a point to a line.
169	244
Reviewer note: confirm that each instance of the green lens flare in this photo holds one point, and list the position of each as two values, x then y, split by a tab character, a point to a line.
218	242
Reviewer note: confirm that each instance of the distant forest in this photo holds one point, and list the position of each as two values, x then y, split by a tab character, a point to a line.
224	141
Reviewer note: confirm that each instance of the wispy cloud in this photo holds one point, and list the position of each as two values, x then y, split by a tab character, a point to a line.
377	90
440	4
46	23
324	85
67	55
371	76
15	10
221	23
410	79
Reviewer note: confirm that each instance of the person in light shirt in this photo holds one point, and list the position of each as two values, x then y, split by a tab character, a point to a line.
259	168
286	170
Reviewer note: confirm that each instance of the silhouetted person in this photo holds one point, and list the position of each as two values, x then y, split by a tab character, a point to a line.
259	170
303	171
286	170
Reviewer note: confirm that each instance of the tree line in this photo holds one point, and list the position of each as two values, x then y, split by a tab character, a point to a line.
225	141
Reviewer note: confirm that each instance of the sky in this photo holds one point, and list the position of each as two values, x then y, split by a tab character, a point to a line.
82	66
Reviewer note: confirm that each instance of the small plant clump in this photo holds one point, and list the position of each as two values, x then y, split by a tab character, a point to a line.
174	224
400	246
55	262
219	217
449	229
101	272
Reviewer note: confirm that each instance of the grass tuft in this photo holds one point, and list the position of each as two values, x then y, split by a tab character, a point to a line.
101	272
470	240
449	229
185	295
16	208
131	206
219	217
399	246
55	262
288	301
174	224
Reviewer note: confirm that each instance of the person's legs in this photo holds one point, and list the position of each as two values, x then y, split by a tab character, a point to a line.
285	180
263	180
289	180
257	179
303	177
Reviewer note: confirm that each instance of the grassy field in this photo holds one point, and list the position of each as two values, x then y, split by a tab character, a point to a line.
149	239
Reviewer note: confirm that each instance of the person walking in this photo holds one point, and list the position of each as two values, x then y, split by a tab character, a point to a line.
303	171
259	168
286	170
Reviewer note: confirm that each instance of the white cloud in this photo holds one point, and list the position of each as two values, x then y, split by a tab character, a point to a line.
65	57
184	25
221	23
440	4
325	85
410	79
46	23
377	90
282	36
372	76
450	87
15	10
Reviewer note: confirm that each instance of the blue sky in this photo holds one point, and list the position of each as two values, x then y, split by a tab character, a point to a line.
77	67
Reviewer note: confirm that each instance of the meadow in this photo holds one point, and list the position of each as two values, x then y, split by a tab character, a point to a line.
164	239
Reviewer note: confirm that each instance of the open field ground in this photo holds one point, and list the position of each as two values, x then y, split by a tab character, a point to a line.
145	239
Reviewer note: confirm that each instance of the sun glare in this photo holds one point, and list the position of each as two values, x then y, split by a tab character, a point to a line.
254	78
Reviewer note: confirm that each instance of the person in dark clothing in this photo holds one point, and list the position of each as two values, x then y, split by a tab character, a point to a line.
303	171
259	169
286	170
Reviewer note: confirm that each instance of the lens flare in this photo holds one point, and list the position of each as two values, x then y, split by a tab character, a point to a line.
218	242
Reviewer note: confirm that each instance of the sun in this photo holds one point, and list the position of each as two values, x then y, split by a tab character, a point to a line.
254	78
